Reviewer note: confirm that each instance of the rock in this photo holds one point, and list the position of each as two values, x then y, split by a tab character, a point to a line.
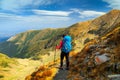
114	77
107	49
92	46
99	59
97	53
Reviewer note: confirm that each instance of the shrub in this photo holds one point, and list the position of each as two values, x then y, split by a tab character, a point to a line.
1	76
47	73
42	68
4	64
86	40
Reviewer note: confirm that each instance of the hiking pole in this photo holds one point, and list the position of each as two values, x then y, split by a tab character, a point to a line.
54	56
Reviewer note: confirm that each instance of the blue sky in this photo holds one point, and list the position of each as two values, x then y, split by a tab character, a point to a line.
20	15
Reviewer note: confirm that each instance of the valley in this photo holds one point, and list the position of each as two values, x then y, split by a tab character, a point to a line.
19	71
34	51
25	67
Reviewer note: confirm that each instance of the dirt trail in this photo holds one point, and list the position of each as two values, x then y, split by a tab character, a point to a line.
61	75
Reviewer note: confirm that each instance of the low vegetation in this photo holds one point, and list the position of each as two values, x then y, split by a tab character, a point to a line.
45	72
83	66
90	38
5	61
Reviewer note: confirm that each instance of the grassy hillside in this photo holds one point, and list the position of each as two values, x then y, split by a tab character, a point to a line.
83	32
102	39
83	64
5	61
37	42
18	69
31	43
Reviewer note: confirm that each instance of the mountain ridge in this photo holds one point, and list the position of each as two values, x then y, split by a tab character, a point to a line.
35	42
107	44
83	64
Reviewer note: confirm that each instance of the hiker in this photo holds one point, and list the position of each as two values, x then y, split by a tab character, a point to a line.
65	46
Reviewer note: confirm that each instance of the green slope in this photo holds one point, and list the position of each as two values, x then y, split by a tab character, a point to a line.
38	42
31	43
5	61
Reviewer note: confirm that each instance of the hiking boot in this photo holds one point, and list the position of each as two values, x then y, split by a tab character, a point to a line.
67	68
61	68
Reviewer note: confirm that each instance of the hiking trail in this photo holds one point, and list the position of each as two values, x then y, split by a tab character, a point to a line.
61	74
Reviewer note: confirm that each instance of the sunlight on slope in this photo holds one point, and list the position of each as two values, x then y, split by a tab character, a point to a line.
20	70
46	72
83	64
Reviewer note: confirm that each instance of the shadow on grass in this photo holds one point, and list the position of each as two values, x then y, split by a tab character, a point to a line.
1	76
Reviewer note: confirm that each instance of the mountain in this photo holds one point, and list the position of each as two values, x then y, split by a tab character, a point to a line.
83	32
5	61
30	43
2	39
38	42
84	64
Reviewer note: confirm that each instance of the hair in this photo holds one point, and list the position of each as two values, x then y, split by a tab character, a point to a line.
63	35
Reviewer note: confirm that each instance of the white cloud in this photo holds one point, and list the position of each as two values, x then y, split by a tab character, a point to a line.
43	19
15	5
115	4
4	17
52	13
48	19
87	13
75	10
10	22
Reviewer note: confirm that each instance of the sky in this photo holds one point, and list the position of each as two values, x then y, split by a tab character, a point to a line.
21	15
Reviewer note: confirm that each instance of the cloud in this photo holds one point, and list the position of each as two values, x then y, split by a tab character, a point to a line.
88	13
115	4
52	13
16	5
4	17
44	18
14	23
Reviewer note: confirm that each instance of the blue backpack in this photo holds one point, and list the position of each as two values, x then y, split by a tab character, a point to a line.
67	47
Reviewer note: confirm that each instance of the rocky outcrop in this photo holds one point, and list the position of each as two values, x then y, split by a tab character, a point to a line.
98	59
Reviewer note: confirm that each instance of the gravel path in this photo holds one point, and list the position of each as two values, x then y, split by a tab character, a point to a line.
61	75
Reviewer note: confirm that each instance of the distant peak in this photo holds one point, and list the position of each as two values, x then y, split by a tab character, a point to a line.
30	30
114	11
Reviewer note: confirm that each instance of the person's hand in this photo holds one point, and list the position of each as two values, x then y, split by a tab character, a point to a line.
57	47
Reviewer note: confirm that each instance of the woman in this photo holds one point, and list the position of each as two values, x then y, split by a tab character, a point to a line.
65	46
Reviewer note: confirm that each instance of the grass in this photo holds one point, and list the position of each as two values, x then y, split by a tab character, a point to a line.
1	76
25	67
80	67
5	61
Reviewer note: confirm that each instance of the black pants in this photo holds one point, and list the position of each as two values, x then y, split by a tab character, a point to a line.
66	55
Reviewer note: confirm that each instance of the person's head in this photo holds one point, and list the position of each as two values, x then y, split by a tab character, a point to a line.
63	35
